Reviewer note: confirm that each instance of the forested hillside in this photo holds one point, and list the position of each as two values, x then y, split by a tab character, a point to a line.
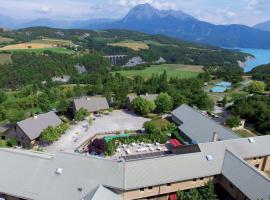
173	50
262	73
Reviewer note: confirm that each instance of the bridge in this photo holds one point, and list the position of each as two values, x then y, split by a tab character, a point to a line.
115	58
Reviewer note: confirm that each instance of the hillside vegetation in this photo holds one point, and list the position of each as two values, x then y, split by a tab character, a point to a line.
172	50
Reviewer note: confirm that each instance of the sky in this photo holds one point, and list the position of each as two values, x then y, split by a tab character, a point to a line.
247	12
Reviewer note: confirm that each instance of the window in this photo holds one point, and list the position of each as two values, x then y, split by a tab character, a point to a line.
168	185
150	188
260	157
194	179
231	185
201	179
3	137
255	158
141	189
257	166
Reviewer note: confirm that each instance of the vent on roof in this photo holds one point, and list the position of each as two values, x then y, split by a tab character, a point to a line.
251	140
209	157
59	171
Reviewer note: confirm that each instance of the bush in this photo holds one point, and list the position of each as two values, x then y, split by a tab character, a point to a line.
51	134
11	142
81	114
233	121
98	146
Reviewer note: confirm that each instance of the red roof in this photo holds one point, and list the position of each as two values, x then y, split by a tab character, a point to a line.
175	143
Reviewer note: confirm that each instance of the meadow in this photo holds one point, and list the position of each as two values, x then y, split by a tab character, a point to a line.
173	71
131	44
41	45
5	58
5	40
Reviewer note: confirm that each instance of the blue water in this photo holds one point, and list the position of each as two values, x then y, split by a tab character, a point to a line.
221	87
262	56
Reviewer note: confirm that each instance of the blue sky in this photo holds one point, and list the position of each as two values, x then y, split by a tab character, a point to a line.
247	12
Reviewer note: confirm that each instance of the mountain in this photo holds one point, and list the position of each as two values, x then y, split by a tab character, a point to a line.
11	23
180	25
263	26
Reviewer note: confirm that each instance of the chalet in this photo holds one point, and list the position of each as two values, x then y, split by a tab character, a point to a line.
28	131
91	104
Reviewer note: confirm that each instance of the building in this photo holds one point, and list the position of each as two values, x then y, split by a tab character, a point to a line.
133	62
199	128
91	104
149	97
239	165
28	131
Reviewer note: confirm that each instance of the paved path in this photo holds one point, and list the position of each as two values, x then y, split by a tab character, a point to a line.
118	120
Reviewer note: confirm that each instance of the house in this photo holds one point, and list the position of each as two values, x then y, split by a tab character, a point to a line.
91	104
28	131
199	128
160	61
131	97
6	131
133	62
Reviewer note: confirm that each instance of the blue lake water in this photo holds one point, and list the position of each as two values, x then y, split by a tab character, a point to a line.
262	56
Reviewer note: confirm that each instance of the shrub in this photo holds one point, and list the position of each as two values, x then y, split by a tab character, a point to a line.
51	134
98	146
11	142
233	121
81	114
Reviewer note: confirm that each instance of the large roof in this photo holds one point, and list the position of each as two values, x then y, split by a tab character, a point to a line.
32	175
33	126
246	178
200	128
92	104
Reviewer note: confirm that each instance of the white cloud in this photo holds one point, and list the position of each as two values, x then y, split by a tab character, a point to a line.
43	10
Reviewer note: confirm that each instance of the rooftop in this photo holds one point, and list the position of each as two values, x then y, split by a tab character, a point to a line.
92	104
200	128
34	126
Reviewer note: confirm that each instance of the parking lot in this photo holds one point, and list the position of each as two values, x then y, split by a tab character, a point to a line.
118	120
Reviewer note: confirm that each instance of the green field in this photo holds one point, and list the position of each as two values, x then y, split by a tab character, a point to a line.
5	58
173	70
53	49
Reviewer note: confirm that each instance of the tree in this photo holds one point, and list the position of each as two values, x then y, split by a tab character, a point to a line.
208	192
63	106
49	135
3	96
11	142
164	103
15	116
257	87
142	106
233	121
80	114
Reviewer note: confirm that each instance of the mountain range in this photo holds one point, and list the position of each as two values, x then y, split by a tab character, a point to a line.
178	24
263	26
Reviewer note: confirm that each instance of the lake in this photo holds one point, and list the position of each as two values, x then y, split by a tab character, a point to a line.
262	57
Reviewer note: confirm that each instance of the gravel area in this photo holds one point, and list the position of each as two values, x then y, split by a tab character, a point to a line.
118	120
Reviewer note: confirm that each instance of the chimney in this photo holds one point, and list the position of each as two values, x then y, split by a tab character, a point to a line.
214	139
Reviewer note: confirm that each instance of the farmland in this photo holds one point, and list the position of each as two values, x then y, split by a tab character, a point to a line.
173	70
40	45
5	58
134	45
5	40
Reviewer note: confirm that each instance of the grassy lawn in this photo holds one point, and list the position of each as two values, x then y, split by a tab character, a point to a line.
131	44
5	58
53	41
173	70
